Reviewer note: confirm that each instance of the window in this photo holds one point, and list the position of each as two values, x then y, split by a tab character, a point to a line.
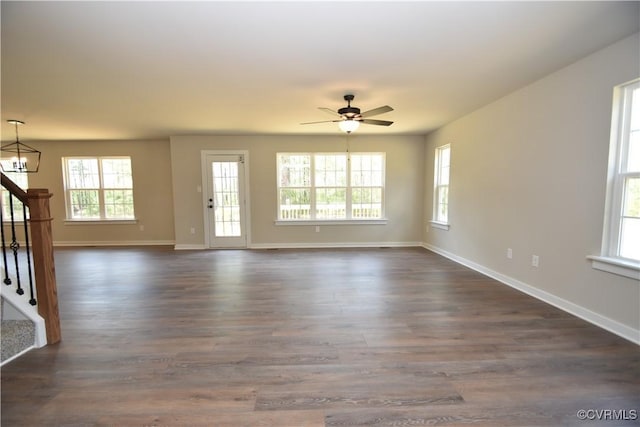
367	185
330	176
22	181
330	186
98	188
441	186
620	243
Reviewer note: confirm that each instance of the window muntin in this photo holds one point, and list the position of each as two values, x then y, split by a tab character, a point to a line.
441	184
330	186
98	188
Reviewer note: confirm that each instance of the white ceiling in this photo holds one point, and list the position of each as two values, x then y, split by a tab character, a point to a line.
151	69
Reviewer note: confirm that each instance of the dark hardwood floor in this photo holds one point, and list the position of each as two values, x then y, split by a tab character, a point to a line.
366	337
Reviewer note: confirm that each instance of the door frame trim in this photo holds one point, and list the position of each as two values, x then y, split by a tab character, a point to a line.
203	190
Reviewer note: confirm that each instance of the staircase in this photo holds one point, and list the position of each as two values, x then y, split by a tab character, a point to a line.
17	335
29	302
22	327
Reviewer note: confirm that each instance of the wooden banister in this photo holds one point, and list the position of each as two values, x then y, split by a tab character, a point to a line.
43	261
14	189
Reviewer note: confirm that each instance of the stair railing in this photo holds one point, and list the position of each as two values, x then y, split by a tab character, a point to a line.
37	224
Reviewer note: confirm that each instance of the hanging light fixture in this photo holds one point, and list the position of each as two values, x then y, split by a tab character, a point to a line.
19	157
349	125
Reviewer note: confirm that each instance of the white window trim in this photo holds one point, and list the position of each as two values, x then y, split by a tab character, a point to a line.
86	221
358	221
100	221
608	260
436	181
342	221
440	225
617	266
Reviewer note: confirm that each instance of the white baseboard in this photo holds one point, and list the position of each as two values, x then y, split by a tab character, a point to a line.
189	247
183	247
603	322
334	245
69	243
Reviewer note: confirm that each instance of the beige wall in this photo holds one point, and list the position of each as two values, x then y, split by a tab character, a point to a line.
167	175
150	163
528	172
404	189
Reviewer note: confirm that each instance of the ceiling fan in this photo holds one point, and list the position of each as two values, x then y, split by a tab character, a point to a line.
349	118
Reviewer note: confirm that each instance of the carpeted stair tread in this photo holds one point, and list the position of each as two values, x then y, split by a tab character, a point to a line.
16	336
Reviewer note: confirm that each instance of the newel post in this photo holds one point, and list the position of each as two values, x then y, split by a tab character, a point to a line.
43	262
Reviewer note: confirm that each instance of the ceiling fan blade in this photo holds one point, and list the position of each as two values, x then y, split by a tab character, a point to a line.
322	121
377	122
376	111
330	111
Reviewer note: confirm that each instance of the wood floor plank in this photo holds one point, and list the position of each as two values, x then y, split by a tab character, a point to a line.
309	338
353	386
229	419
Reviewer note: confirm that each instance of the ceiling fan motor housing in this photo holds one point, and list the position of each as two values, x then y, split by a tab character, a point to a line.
349	111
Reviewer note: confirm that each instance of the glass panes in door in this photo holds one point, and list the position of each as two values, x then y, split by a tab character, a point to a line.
226	197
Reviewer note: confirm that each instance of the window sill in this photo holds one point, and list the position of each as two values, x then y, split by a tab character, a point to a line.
440	225
617	266
99	221
333	222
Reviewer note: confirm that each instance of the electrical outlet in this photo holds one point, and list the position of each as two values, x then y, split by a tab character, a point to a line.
535	260
141	227
317	228
509	253
193	230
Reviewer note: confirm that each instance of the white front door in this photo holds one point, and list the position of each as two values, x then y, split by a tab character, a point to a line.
226	201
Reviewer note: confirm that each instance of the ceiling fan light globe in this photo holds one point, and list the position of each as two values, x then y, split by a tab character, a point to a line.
349	126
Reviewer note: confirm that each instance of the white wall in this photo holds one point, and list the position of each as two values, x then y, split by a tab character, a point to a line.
528	172
404	189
